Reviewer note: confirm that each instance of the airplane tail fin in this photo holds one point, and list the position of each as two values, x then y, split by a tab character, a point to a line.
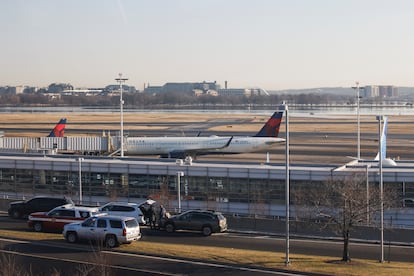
59	130
272	126
383	140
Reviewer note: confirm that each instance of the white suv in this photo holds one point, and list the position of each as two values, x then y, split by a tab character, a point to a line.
125	209
111	230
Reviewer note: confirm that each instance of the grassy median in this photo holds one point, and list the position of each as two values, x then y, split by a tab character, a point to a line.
240	257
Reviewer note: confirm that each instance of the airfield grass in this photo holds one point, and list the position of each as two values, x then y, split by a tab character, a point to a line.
241	257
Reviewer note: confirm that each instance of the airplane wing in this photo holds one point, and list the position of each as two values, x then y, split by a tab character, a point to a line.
194	152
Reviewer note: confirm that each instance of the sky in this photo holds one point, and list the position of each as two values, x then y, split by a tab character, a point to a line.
271	44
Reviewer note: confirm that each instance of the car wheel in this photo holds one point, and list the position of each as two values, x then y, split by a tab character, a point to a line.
169	228
38	227
206	230
15	214
71	237
111	241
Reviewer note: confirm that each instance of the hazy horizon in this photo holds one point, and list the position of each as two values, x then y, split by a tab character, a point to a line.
275	45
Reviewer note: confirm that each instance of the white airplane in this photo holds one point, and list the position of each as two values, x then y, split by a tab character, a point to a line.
386	162
181	147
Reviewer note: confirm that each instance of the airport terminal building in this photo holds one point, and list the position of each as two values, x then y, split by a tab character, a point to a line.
233	188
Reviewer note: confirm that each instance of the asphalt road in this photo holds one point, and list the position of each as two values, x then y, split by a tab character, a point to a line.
40	258
69	258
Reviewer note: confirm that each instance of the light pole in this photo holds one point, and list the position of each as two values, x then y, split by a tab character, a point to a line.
287	185
121	80
358	123
80	159
367	184
179	175
380	119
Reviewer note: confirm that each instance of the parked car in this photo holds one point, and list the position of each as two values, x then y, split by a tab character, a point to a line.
408	202
56	218
126	209
110	230
207	222
21	209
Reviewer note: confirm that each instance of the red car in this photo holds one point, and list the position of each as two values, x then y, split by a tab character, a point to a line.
55	219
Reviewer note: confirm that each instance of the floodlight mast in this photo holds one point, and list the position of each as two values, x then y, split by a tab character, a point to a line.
80	159
380	120
358	121
284	107
179	175
359	131
121	80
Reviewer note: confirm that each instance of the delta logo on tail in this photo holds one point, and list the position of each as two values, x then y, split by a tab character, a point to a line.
59	130
272	126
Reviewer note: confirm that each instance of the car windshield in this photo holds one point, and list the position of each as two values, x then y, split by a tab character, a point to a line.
89	222
131	223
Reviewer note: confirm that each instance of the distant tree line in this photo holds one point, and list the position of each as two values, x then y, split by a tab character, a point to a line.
140	100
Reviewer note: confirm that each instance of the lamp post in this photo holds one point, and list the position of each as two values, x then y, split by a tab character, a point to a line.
287	185
358	122
80	159
179	175
380	119
367	186
121	80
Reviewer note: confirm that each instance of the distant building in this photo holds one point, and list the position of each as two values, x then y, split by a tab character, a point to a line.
234	91
153	89
388	91
183	87
56	88
202	88
115	89
12	90
82	92
383	91
30	90
242	91
370	91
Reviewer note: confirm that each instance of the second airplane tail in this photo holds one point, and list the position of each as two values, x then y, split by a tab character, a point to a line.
59	130
272	126
383	140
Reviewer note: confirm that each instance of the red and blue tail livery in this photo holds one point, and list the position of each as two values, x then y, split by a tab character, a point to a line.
272	126
59	130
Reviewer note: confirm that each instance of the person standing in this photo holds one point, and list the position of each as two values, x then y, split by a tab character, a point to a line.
151	216
162	216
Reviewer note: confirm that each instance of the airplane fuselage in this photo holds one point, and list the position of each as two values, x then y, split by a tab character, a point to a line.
166	145
197	145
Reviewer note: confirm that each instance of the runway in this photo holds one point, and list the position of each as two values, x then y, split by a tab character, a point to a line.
329	140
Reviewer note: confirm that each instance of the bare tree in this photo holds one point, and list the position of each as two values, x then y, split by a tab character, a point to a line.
9	266
343	203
